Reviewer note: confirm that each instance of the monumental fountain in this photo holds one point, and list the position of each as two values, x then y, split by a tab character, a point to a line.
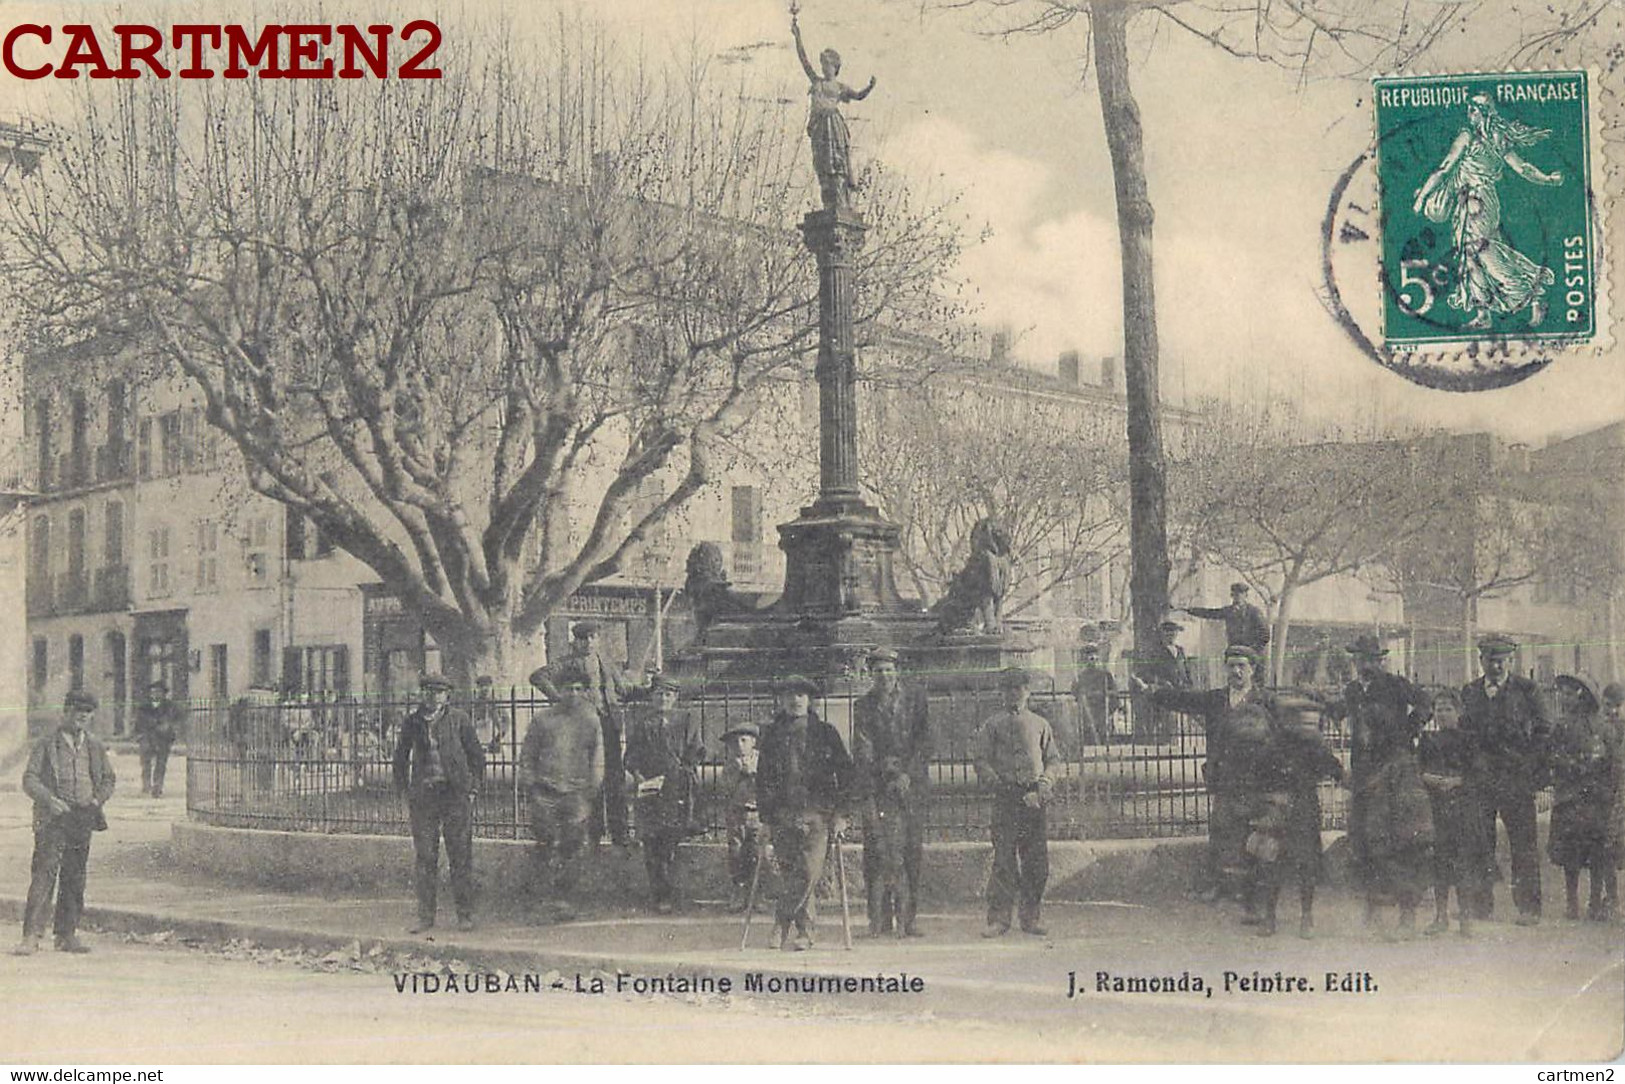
840	597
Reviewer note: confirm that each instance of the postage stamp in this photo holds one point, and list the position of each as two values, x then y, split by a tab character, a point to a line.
1487	211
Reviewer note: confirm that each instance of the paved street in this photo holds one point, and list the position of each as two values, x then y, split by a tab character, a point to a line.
1556	992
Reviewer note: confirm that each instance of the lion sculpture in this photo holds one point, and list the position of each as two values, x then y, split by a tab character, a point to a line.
975	596
709	592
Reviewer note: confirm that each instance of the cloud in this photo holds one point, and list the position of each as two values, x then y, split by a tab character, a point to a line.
1053	279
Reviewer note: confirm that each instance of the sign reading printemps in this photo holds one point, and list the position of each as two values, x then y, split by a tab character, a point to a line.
1487	217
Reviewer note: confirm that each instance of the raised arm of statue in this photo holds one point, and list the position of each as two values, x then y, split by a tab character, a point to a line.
801	50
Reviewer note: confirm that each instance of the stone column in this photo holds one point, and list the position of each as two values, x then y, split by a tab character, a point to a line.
834	238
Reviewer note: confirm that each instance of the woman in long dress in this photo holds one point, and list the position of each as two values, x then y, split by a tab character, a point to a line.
1491	275
826	128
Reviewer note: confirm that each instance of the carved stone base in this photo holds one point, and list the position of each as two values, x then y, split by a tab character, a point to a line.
838	562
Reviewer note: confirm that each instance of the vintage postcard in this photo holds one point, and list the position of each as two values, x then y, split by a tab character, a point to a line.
834	531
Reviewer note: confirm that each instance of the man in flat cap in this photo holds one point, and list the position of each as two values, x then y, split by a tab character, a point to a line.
1171	670
891	752
438	765
70	778
1017	759
803	781
561	768
1222	712
1244	623
1390	819
607	689
663	754
1504	714
157	720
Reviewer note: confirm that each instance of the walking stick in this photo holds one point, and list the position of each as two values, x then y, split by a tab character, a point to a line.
840	878
750	897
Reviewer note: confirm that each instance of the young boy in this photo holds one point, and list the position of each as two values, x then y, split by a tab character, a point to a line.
1285	840
1461	850
743	823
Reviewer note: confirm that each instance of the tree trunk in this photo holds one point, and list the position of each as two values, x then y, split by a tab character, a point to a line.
1148	533
1469	638
485	653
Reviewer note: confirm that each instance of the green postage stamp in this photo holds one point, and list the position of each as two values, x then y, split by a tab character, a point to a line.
1488	211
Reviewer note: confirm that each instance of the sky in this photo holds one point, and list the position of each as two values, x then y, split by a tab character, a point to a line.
1240	158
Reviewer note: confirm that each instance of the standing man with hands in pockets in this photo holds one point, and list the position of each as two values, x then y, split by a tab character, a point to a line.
438	767
70	778
1017	759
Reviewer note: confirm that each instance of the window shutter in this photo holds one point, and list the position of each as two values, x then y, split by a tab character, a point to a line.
292	665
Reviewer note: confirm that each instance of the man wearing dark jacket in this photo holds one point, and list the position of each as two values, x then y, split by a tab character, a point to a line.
157	720
1390	821
1243	622
1503	714
663	754
803	778
1225	867
438	766
70	779
891	752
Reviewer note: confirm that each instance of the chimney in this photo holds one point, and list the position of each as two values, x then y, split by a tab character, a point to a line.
1068	368
999	348
1111	374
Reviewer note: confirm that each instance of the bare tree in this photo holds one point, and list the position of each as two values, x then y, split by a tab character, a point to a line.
1310	37
451	323
1287	504
1493	527
951	452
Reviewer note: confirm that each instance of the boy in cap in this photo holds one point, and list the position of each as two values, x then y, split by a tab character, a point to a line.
1284	844
1461	852
1018	760
1504	714
663	753
561	767
891	754
803	778
1092	692
70	778
438	765
740	816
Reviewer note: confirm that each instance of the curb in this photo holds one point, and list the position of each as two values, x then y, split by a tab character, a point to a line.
1143	1015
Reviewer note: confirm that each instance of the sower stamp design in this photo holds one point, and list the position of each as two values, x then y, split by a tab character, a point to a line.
1486	210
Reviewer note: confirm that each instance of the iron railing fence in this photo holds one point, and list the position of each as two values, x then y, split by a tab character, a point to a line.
325	766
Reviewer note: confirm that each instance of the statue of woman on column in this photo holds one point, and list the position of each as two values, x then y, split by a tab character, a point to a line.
826	128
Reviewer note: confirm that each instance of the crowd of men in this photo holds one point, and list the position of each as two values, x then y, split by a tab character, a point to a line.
1424	805
794	785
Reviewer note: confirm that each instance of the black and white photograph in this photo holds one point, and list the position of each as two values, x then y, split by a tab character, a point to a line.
812	531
